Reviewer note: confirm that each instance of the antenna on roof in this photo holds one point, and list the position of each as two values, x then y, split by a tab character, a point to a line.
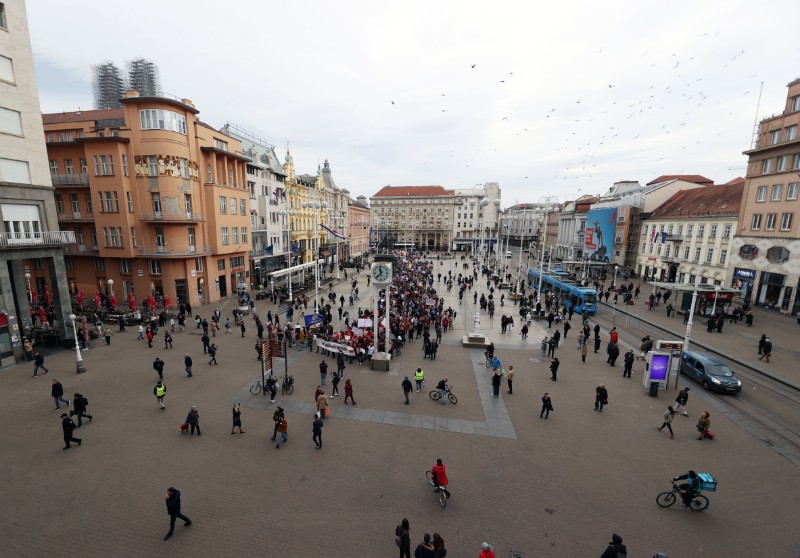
754	139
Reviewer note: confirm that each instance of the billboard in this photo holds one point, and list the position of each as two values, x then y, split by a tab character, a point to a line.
599	239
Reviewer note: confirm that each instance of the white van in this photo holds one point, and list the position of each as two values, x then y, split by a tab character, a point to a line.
508	253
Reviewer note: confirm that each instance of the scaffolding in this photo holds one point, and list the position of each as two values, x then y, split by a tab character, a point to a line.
143	77
107	85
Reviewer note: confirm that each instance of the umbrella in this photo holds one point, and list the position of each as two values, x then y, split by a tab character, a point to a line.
167	302
81	298
48	298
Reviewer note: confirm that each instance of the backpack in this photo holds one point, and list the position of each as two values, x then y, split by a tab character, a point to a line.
617	552
85	402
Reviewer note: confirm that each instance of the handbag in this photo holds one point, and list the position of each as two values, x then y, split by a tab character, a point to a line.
327	411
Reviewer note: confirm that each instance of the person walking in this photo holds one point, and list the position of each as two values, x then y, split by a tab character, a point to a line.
159	391
703	424
524	331
761	342
567	327
419	378
407	387
323	373
68	427
486	551
57	392
547	406
681	399
668	421
193	420
600	398
551	347
283	431
597	342
401	533
79	405
497	378
242	327
767	351
554	369
545	345
206	343
322	404
348	392
158	366
141	332
187	363
38	362
237	419
510	379
174	510
107	334
277	417
584	352
628	364
316	431
167	340
149	338
212	351
613	353
340	364
615	548
335	384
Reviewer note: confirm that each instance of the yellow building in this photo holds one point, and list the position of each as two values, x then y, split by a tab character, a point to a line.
307	210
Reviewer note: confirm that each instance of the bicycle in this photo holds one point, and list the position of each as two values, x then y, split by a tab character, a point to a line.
444	494
436	395
257	388
287	385
666	499
488	362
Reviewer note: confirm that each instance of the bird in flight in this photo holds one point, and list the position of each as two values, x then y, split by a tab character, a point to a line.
391	102
473	66
504	118
610	86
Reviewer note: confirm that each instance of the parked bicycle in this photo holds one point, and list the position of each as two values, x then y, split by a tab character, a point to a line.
444	494
257	388
436	395
287	385
666	499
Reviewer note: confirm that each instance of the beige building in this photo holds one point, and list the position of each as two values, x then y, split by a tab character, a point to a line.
477	209
413	216
359	223
766	247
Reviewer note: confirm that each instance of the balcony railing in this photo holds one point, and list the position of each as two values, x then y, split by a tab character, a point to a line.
183	217
671	260
76	217
45	238
83	249
81	179
674	238
174	251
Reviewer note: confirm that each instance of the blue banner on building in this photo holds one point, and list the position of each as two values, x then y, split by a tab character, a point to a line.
599	240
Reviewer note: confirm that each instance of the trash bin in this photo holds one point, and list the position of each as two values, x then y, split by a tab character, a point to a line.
653	392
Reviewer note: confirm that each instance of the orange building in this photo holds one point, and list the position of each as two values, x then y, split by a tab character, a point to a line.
157	199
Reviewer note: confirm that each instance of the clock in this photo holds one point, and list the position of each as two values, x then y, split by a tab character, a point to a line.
381	273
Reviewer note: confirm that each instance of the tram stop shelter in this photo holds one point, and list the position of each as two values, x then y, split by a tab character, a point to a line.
708	295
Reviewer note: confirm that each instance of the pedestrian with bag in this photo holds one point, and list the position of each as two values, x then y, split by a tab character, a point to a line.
767	351
174	510
158	366
283	432
322	404
316	430
681	399
212	351
703	424
237	419
193	420
80	405
547	406
187	363
600	398
68	427
668	421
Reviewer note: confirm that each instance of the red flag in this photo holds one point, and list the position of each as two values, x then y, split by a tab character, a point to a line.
48	298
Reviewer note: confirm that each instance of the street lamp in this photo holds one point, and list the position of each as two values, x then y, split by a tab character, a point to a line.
30	292
717	289
80	368
111	288
614	282
477	319
691	316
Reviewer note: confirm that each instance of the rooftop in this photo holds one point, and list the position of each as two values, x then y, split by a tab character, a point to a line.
387	191
720	201
696	178
83	116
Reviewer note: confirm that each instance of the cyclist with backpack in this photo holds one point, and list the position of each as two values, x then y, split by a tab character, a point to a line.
615	548
690	488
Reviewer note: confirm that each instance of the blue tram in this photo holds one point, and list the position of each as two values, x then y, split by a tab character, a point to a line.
574	296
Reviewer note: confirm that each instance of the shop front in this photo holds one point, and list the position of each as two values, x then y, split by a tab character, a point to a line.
743	280
772	291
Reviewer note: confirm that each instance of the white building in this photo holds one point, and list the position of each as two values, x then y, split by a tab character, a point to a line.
475	207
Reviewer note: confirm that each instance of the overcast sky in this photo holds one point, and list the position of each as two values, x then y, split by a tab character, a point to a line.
546	98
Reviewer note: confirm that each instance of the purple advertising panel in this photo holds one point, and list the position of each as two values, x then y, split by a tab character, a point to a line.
659	368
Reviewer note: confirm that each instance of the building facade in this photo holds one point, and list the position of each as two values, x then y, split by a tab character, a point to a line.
690	235
477	209
308	206
359	226
766	248
157	200
414	216
31	243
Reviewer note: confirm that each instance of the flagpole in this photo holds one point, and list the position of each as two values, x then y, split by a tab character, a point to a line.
337	258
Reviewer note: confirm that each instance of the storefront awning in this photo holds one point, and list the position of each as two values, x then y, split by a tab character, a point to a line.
293	269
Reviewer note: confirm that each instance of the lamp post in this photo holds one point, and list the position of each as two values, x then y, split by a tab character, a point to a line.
30	292
521	248
614	282
79	366
691	316
477	319
111	288
717	289
550	204
286	215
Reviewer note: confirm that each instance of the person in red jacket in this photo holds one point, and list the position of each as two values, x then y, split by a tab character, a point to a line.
439	475
486	551
614	335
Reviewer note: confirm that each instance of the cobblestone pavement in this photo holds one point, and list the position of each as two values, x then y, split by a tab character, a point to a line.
558	487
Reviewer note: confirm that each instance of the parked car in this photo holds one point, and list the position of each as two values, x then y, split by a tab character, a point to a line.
712	373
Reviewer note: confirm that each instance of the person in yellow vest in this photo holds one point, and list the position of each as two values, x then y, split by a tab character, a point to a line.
419	377
159	391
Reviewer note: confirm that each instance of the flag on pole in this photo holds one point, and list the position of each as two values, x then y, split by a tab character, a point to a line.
338	235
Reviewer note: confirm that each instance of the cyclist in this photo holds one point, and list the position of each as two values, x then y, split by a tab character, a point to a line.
442	387
439	476
490	352
690	488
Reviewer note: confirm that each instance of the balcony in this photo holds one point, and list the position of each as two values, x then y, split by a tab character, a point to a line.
674	238
81	179
82	249
76	217
174	251
178	218
671	260
45	238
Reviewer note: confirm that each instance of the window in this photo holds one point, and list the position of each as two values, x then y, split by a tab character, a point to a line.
156	119
689	230
116	237
235	235
3	24
125	164
93	233
697	254
152	165
667	251
133	237
726	231
776	192
106	237
129	199
76	206
680	230
756	222
766	166
796	161
242	207
220	265
791	191
184	168
709	255
223	205
103	165
10	122
786	221
219	144
84	166
723	256
12	170
116	202
155	200
712	232
59	203
199	264
701	231
6	69
644	247
155	267
69	263
761	194
68	166
53	166
783	162
244	235
796	103
210	174
774	137
125	267
99	264
791	133
224	236
686	253
231	181
233	206
770	224
89	205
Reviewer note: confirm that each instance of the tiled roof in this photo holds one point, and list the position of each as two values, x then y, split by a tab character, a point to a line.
82	116
718	201
696	178
413	191
736	181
